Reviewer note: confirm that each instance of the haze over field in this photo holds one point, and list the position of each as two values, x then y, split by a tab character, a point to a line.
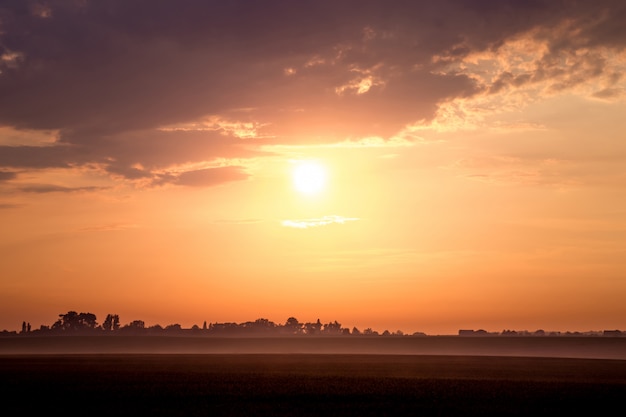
413	165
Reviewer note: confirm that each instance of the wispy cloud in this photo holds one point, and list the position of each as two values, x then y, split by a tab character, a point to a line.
319	221
52	188
237	128
367	142
211	176
110	227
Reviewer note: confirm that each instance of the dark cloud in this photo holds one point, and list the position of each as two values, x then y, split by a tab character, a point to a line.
131	155
41	156
156	149
106	75
122	65
136	155
7	175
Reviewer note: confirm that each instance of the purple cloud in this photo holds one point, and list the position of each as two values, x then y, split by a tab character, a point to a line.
107	76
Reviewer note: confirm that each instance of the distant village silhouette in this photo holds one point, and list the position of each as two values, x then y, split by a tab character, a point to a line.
74	323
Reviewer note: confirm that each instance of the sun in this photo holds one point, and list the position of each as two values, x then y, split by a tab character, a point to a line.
309	177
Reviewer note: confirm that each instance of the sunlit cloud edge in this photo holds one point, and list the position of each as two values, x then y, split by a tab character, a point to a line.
316	222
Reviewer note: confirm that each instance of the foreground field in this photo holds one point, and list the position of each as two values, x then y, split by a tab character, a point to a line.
308	385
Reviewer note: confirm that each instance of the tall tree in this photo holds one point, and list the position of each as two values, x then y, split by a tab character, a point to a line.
111	323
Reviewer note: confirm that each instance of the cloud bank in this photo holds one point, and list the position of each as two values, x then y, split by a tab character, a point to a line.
140	90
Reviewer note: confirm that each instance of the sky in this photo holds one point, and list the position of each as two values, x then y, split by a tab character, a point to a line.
398	165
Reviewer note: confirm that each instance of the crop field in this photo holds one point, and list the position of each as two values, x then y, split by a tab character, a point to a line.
308	385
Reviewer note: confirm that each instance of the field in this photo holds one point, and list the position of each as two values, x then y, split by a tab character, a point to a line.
308	384
555	347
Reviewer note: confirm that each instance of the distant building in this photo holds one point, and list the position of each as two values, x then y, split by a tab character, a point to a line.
473	333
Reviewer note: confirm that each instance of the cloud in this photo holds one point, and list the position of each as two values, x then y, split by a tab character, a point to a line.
7	175
361	143
574	54
37	157
610	93
15	137
316	222
133	156
52	188
211	176
143	154
128	67
236	128
135	88
109	227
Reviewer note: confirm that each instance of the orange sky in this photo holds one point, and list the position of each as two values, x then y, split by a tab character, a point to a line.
474	160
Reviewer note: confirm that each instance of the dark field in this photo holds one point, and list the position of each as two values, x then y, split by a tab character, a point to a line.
308	385
554	347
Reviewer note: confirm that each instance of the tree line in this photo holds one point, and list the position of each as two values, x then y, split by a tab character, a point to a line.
76	323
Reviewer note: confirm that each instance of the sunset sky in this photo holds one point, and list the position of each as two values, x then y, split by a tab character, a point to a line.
401	165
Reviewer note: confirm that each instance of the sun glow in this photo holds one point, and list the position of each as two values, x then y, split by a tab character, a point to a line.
309	177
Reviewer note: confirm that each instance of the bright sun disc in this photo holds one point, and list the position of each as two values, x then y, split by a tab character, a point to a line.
309	177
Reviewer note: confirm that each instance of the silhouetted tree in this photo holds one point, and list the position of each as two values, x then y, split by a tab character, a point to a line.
134	327
75	322
173	328
313	328
111	323
293	326
332	328
156	329
259	326
137	324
